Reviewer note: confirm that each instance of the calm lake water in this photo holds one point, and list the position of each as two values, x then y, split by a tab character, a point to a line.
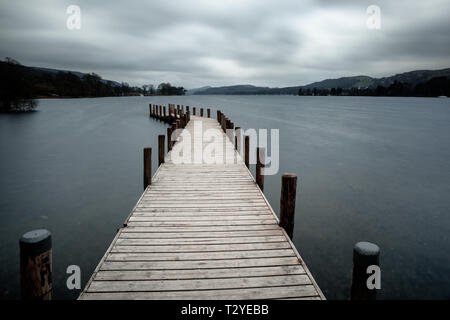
370	169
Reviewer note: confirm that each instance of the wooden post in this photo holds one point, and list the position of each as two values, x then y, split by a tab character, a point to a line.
365	254
247	151
287	202
174	127
160	112
260	155
218	115
36	265
201	112
147	167
208	111
193	111
164	113
187	109
238	139
150	109
160	149
169	139
188	116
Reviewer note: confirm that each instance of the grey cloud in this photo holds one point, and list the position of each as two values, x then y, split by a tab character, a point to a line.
202	42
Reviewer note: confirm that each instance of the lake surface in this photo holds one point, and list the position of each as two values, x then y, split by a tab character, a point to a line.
370	169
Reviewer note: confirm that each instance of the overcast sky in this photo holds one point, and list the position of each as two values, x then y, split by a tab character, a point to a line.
193	43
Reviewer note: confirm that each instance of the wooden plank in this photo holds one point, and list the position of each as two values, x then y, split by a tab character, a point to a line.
200	228
198	284
200	223
182	241
150	218
199	273
181	256
211	234
198	264
228	294
201	247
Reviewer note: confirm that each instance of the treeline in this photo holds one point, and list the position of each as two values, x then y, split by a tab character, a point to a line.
20	85
435	87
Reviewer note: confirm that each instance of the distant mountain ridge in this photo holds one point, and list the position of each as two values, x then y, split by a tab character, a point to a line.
361	81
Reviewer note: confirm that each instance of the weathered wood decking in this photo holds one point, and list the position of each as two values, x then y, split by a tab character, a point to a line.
202	231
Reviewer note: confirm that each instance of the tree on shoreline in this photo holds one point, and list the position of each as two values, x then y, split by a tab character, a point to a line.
16	91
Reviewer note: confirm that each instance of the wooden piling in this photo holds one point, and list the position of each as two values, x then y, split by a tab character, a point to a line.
169	139
201	112
147	167
208	111
36	265
193	111
260	155
287	202
247	151
238	139
160	149
164	113
365	254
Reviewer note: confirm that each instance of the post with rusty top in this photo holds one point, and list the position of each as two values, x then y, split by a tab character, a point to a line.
147	167
287	202
36	265
365	255
260	155
160	149
247	151
208	111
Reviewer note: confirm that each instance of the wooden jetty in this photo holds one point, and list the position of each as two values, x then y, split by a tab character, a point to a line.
202	231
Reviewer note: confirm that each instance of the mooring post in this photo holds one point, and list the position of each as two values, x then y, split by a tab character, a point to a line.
287	202
365	254
247	151
161	149
174	127
169	139
36	265
187	109
218	116
208	111
188	116
147	167
160	112
164	113
201	112
238	139
150	109
260	155
193	111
